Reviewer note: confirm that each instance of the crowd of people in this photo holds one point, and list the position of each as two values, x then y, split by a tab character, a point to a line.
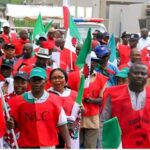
40	86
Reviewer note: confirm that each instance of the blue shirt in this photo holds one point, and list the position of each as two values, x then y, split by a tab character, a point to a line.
110	71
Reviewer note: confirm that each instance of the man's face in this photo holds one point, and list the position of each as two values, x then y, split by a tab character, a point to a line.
27	51
104	60
6	71
41	62
144	34
24	35
93	66
9	53
37	84
135	56
138	75
20	85
133	43
125	39
6	30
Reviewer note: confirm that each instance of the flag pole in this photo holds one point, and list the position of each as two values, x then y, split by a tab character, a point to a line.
71	67
8	116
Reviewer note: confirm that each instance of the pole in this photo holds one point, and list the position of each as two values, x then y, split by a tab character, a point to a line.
8	116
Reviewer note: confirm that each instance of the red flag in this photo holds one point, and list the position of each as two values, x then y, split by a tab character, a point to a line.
2	121
66	14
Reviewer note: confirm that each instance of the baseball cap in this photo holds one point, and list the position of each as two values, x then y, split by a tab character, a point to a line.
105	34
21	75
6	24
134	37
123	73
9	45
101	50
7	63
125	33
38	72
43	53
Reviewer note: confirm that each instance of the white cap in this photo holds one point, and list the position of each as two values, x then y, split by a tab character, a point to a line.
6	24
43	53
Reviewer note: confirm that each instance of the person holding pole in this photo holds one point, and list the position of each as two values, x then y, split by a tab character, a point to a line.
37	114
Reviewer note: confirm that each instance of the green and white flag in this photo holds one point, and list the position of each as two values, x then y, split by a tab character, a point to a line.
38	28
72	37
84	58
111	134
83	62
77	104
112	46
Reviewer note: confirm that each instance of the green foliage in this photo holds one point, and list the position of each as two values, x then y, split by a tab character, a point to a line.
16	1
24	23
3	2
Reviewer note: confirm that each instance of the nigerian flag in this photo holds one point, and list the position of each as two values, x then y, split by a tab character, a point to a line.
72	36
84	58
77	104
111	134
112	46
83	62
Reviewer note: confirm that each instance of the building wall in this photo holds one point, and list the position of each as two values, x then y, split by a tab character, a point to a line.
123	18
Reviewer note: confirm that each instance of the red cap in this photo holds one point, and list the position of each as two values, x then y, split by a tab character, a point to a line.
47	45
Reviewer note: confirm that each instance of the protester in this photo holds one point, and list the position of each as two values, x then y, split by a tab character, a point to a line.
6	34
19	43
133	99
144	39
133	40
105	67
6	82
58	79
27	58
92	99
135	56
9	53
37	115
122	76
124	49
51	36
105	38
20	86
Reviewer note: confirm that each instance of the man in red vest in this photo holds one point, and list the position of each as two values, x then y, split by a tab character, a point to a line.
38	115
130	104
8	36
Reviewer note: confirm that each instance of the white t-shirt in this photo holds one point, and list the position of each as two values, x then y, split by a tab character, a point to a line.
143	43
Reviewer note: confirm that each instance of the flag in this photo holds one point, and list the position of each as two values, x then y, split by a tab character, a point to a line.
66	14
78	101
2	121
48	26
73	34
112	46
76	116
72	38
84	58
111	134
38	28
